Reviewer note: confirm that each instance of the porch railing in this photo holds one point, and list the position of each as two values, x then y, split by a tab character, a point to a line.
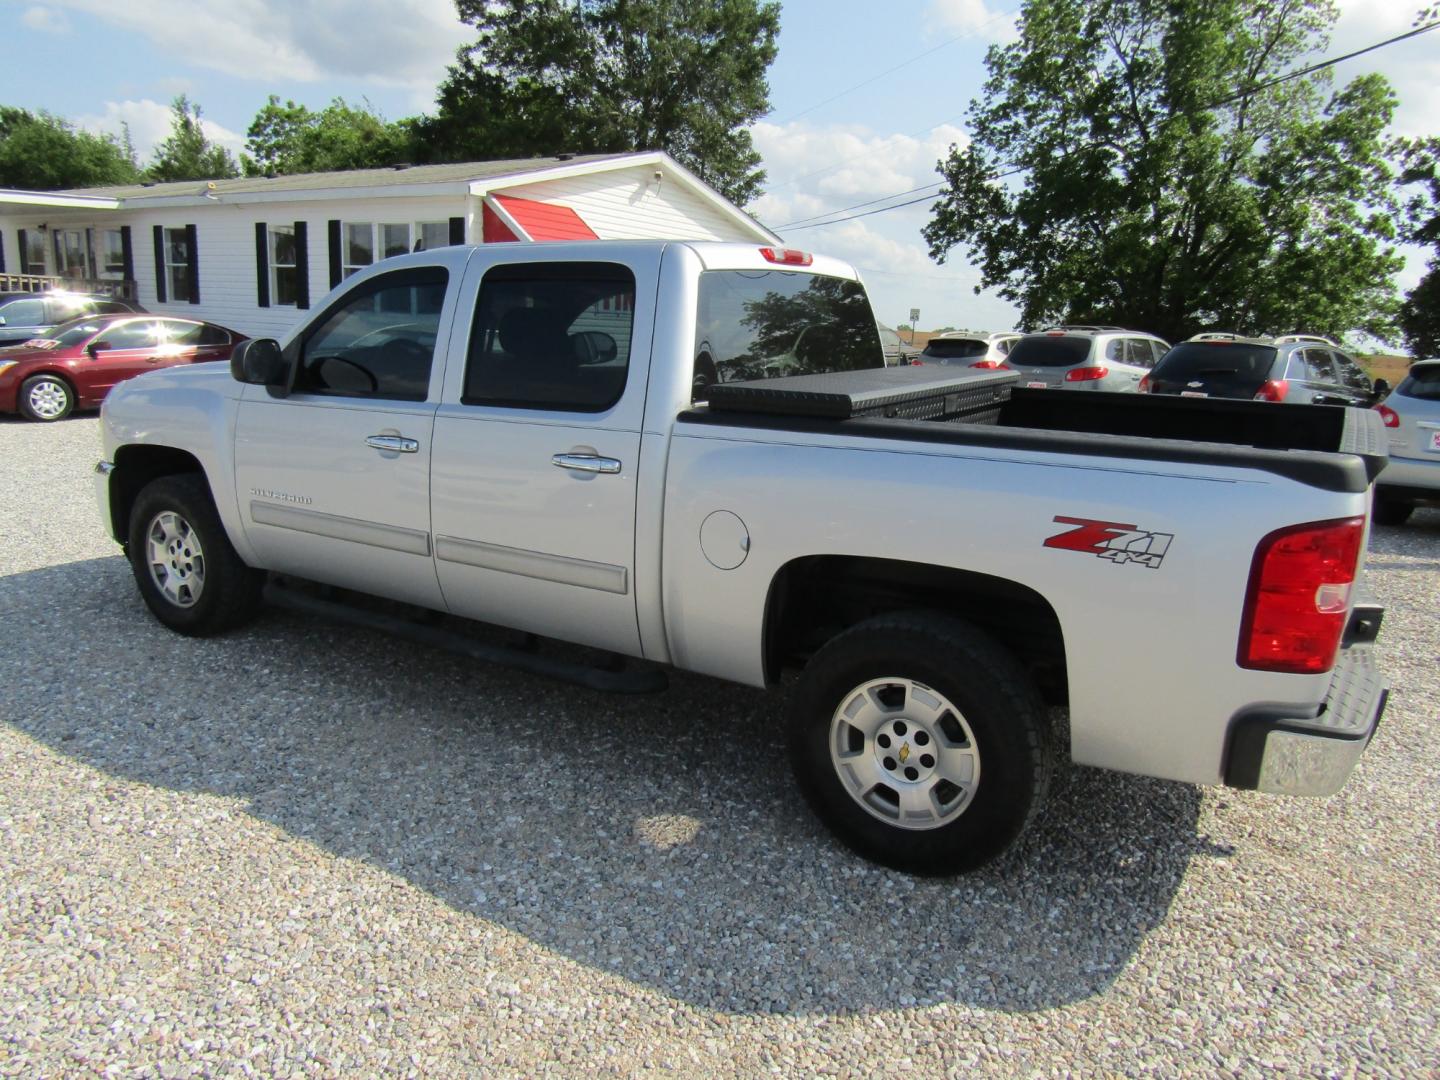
39	283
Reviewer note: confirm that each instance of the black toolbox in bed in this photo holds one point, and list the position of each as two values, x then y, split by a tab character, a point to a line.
898	393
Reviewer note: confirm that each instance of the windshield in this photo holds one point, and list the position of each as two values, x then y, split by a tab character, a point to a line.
74	332
1216	362
956	348
1047	351
762	324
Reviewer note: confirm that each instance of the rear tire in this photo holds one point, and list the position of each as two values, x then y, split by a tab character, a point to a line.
184	565
1391	511
920	742
46	398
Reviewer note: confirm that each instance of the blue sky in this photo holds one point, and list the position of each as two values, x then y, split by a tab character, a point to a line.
866	97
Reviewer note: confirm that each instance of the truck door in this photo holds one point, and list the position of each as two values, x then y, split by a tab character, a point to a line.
537	444
334	480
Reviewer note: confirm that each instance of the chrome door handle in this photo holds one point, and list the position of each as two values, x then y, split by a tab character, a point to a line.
591	463
395	443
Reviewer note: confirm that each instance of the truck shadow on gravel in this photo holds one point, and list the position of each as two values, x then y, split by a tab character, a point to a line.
659	839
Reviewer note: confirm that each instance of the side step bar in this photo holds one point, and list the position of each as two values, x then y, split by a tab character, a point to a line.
639	681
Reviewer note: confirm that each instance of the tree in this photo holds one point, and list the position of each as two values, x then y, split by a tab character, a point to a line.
289	138
1420	178
41	152
608	76
187	154
1142	162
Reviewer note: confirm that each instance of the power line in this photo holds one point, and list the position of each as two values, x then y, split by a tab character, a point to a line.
812	223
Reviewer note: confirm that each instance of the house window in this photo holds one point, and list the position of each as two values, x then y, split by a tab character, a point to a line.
177	264
359	246
70	258
34	254
283	272
433	234
112	254
365	243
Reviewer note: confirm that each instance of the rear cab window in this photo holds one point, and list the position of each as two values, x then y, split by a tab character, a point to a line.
1047	350
766	324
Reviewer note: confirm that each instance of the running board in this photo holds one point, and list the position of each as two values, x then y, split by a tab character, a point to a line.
641	681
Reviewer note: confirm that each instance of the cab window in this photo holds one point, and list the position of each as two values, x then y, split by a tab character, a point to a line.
378	341
551	336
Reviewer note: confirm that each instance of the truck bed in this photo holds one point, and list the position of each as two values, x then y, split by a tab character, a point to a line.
1323	446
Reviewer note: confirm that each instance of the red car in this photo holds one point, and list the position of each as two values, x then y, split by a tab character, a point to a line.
74	365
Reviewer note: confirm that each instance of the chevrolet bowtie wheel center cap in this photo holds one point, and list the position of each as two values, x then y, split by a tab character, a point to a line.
905	750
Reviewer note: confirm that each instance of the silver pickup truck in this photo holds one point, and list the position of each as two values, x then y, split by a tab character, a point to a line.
533	436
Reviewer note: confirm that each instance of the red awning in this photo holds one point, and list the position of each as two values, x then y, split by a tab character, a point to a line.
544	221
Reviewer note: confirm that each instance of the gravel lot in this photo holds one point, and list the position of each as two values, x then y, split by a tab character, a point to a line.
301	850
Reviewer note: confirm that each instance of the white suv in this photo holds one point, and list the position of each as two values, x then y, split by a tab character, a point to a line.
1086	358
1412	420
969	348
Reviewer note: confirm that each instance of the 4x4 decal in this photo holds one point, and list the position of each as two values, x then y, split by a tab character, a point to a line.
1112	540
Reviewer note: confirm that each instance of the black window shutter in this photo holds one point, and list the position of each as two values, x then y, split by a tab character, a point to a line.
2	252
24	251
159	264
302	264
127	255
337	271
457	230
193	270
262	265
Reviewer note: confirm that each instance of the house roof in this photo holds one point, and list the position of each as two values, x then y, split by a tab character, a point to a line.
390	177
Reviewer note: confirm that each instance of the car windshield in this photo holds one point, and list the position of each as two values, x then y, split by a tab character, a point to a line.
762	324
1422	383
956	348
1219	362
74	332
1050	351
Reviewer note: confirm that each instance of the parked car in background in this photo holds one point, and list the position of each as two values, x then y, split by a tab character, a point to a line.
897	352
1412	420
1263	370
1085	358
24	315
968	348
74	365
1305	339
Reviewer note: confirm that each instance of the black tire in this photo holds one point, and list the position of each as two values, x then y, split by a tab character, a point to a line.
1392	512
1007	735
46	398
198	585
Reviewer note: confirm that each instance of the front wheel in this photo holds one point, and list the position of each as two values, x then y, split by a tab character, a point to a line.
46	398
920	742
188	573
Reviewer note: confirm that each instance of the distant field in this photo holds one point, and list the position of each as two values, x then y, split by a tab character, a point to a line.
1390	368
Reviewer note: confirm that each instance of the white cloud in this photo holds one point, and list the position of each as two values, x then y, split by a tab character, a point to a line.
839	165
975	19
1413	66
150	123
389	42
45	19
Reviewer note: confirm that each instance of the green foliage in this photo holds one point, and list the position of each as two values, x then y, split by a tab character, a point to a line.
1130	165
41	152
609	76
289	138
1420	181
186	154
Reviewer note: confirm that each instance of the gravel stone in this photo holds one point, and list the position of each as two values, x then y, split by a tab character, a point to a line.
308	851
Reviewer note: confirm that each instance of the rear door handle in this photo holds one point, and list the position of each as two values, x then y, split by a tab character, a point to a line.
591	463
394	443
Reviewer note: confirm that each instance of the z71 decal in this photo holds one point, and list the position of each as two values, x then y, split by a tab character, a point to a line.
1112	540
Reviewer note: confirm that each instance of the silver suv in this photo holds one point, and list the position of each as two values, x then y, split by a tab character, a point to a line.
1086	358
969	348
1412	420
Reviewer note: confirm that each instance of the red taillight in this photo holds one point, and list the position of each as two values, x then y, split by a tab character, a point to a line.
1086	374
1144	387
787	256
991	365
1390	417
1272	390
1299	596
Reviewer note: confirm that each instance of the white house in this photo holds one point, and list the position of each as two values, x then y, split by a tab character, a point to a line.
253	253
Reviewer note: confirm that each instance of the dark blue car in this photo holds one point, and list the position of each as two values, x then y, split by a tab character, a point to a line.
24	315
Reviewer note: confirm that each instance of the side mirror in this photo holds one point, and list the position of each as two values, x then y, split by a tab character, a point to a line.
260	362
2	320
96	347
1381	388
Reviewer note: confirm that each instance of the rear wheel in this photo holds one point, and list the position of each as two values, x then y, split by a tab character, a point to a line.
187	572
46	398
1392	511
920	742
